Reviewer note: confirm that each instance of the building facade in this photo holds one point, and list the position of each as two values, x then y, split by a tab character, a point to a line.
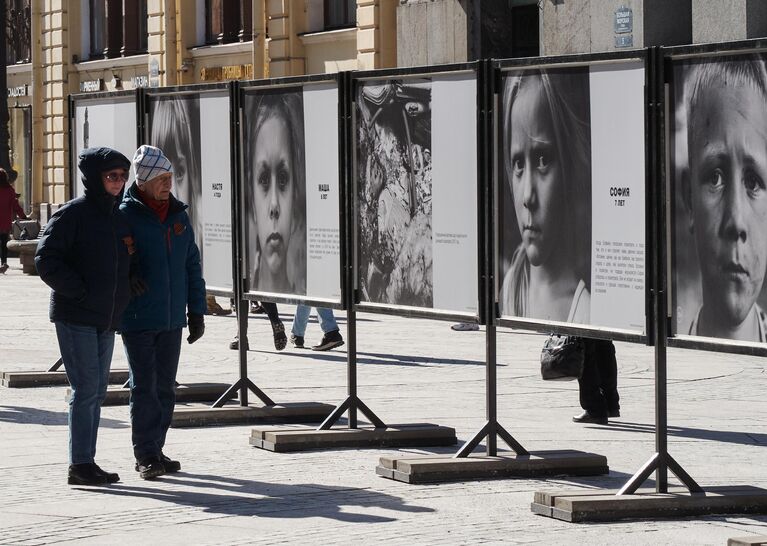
59	47
81	46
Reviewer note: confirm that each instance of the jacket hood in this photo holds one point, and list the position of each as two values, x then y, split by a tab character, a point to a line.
94	161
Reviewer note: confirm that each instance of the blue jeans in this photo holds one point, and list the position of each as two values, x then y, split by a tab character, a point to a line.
327	320
153	360
87	355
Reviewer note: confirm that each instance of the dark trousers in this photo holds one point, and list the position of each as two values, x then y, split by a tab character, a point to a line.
4	248
153	360
598	387
87	356
271	311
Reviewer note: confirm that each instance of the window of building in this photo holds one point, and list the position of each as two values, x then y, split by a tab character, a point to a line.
116	28
18	32
98	24
340	14
525	31
228	21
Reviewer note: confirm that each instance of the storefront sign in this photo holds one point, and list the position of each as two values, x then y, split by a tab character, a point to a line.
18	91
139	81
91	86
230	72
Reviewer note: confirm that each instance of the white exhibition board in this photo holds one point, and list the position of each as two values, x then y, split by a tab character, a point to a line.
323	263
572	209
416	171
718	164
98	122
216	167
193	130
291	180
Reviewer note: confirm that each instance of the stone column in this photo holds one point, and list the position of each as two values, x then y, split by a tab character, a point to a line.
285	20
161	43
51	89
376	34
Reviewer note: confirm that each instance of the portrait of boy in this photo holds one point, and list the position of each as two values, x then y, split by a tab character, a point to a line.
724	194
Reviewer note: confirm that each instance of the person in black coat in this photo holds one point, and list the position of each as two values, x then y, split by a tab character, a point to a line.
84	255
598	385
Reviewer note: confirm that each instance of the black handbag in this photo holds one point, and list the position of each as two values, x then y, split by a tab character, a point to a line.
562	358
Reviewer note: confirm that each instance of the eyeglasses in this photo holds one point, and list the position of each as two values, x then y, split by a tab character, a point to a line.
117	177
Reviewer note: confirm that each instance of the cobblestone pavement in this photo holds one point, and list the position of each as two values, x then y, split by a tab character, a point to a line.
410	371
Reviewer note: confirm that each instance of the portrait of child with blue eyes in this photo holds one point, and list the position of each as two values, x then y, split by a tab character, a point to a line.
276	191
546	163
722	189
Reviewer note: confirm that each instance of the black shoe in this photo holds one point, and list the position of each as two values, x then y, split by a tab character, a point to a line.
85	474
297	341
150	468
111	477
614	413
329	341
280	340
256	308
587	417
170	465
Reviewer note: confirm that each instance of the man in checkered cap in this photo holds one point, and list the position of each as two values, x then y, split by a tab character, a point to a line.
169	268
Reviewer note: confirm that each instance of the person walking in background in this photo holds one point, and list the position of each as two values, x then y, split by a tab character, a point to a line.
84	255
332	337
278	328
598	386
9	209
169	266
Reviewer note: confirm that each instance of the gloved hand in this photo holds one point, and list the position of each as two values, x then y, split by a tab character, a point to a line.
196	325
137	286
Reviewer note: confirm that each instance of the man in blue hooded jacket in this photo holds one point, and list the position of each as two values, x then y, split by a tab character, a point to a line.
84	255
169	265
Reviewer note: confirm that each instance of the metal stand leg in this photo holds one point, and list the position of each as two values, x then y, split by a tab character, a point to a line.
352	403
661	462
56	365
491	429
243	384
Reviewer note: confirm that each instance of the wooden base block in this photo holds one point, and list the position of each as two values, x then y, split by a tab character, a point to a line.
433	469
753	540
22	380
300	412
281	439
187	392
599	505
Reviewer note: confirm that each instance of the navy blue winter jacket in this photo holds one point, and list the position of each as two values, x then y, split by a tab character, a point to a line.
83	254
169	263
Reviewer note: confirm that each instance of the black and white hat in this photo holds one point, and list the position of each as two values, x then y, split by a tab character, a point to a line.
149	162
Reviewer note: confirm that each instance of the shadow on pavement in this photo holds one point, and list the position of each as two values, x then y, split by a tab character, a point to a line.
381	359
254	498
23	415
730	436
